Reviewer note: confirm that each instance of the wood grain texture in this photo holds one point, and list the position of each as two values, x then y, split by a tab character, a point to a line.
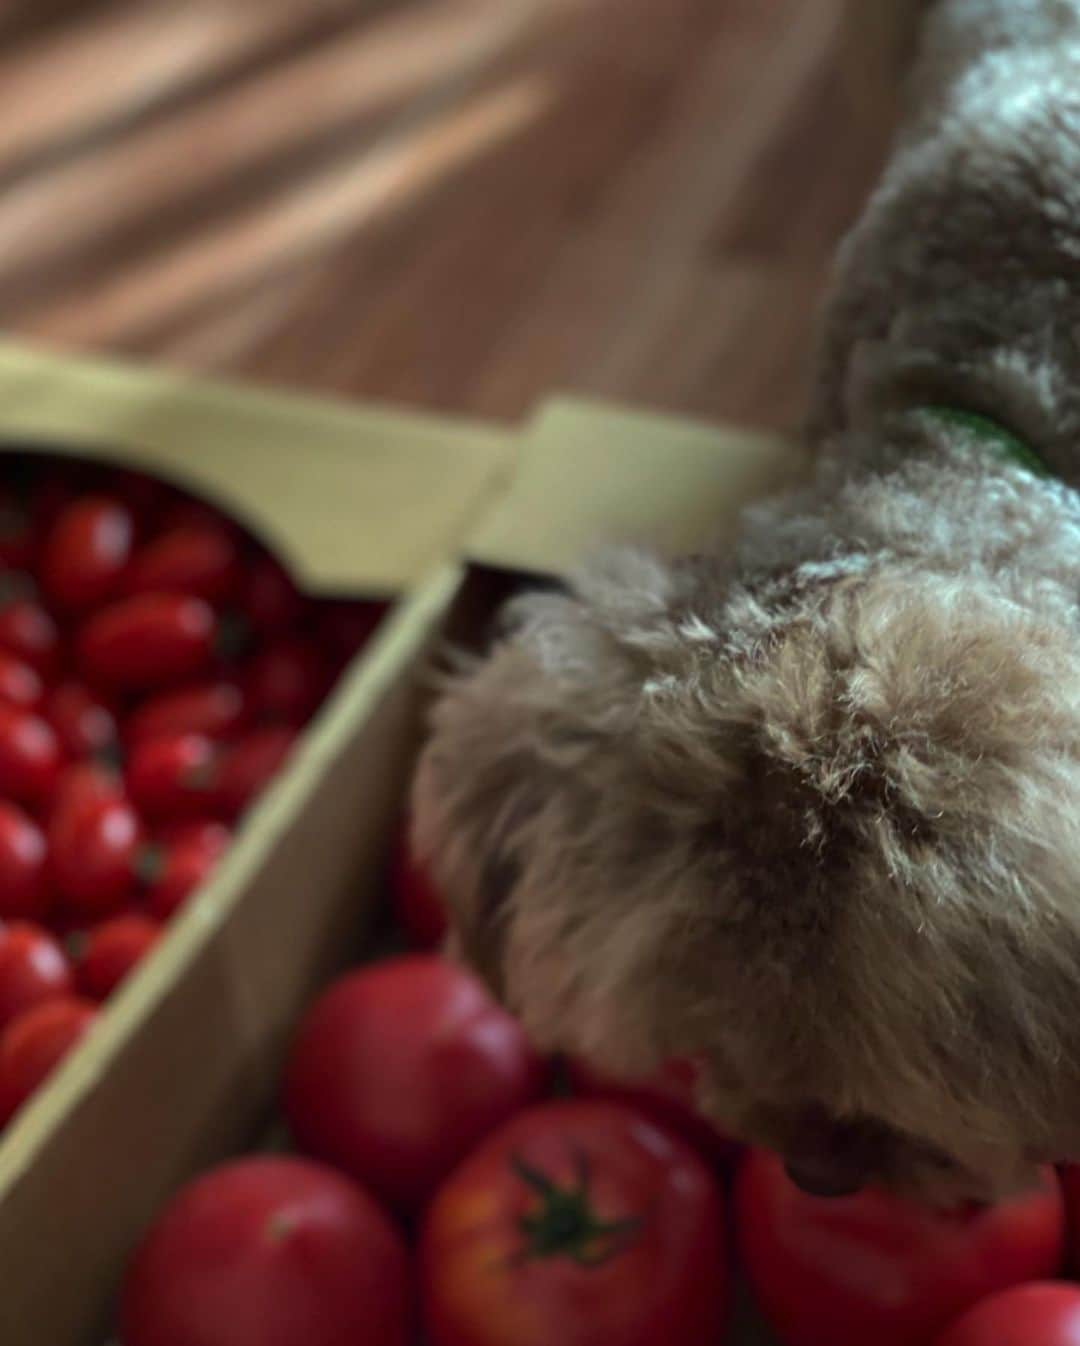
459	204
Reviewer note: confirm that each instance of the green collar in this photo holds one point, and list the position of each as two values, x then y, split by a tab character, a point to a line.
993	435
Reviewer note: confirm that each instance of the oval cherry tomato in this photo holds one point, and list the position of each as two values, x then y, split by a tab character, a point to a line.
173	870
20	685
198	559
286	681
86	552
1044	1314
667	1097
269	599
174	777
25	890
576	1223
149	641
248	766
419	908
216	709
94	838
33	969
82	720
34	1044
28	632
873	1268
399	1069
30	759
270	1251
112	950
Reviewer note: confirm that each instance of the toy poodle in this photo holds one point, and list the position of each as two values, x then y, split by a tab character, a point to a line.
806	806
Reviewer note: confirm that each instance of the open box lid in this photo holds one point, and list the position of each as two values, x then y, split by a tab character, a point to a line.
366	500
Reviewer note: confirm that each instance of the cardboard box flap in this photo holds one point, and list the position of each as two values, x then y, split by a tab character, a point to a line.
354	499
588	473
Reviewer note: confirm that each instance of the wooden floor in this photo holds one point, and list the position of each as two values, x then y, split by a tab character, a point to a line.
461	204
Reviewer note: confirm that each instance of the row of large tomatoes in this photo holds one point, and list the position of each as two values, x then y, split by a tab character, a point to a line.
156	665
442	1190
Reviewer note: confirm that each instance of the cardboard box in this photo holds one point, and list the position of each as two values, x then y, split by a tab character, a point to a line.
183	1068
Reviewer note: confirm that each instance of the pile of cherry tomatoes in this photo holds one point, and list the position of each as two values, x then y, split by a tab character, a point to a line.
446	1185
156	666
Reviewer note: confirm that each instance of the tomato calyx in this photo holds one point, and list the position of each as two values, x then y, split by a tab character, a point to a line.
563	1222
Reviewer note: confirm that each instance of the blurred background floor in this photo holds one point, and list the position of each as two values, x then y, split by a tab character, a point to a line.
460	204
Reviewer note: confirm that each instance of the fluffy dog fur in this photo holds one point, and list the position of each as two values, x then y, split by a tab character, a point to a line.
809	806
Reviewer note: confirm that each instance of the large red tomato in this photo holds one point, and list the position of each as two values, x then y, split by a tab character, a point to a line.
667	1096
33	969
1045	1314
269	1252
399	1069
576	1224
86	552
34	1044
873	1268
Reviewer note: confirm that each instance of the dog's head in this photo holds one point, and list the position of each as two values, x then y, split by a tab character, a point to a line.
821	829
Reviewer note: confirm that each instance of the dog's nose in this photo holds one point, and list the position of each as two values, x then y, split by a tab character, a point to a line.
829	1178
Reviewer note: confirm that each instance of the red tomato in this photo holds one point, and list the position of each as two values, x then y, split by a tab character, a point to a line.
20	685
872	1268
144	496
249	765
173	777
269	599
399	1069
17	541
344	627
420	910
1044	1314
576	1224
25	890
286	681
148	641
86	552
173	870
269	1251
28	632
216	709
33	969
112	951
187	512
34	1044
82	720
53	491
94	837
30	760
199	559
666	1097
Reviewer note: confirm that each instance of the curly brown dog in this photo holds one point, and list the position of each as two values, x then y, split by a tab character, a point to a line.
808	807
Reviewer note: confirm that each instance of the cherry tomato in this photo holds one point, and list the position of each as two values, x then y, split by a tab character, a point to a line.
20	685
187	512
33	969
112	951
1046	1314
30	758
198	559
286	681
215	709
420	910
83	721
666	1097
399	1069
34	1044
145	496
269	599
173	777
94	838
148	641
173	870
873	1268
344	627
269	1251
248	766
28	632
86	552
17	539
576	1224
25	890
